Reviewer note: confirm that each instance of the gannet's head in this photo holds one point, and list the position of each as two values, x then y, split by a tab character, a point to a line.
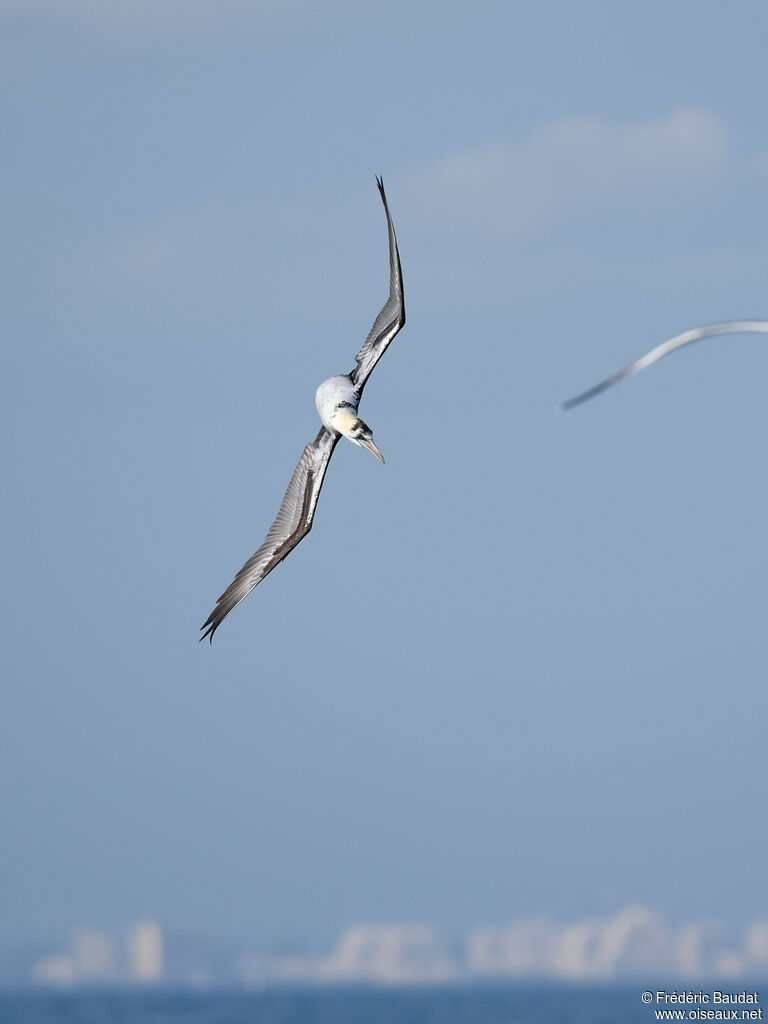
356	430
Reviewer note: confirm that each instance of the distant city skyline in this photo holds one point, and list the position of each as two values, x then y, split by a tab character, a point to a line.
95	957
634	942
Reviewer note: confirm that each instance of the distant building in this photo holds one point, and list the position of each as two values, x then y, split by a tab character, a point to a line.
634	941
55	971
394	954
387	954
696	949
145	953
521	949
89	961
93	957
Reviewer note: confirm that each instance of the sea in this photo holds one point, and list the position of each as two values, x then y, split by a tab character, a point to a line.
519	1004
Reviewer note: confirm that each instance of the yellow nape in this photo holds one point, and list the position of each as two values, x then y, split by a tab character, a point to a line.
344	420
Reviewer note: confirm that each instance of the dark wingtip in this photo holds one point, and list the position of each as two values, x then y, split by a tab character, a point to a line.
598	389
571	403
210	629
380	184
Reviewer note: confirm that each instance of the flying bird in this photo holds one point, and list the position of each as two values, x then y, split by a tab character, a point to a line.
337	400
686	338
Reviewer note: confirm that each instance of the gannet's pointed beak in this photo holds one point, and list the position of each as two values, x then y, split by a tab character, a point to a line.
368	443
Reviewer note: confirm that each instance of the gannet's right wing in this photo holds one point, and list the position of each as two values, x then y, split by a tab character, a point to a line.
292	523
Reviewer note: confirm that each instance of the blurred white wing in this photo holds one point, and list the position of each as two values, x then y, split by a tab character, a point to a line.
292	523
686	338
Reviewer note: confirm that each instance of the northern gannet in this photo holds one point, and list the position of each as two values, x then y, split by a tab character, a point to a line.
337	400
686	338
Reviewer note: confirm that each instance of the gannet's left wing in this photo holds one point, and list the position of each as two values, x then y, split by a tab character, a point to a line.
686	338
390	319
292	523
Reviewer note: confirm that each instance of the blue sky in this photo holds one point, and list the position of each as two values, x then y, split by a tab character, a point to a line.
519	669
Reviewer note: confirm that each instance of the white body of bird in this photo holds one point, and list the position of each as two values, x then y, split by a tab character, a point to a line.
337	402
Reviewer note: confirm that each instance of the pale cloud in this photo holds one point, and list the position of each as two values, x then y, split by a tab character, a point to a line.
233	241
149	254
570	168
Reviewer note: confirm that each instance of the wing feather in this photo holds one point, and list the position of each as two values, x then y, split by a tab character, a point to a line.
686	338
292	523
392	316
